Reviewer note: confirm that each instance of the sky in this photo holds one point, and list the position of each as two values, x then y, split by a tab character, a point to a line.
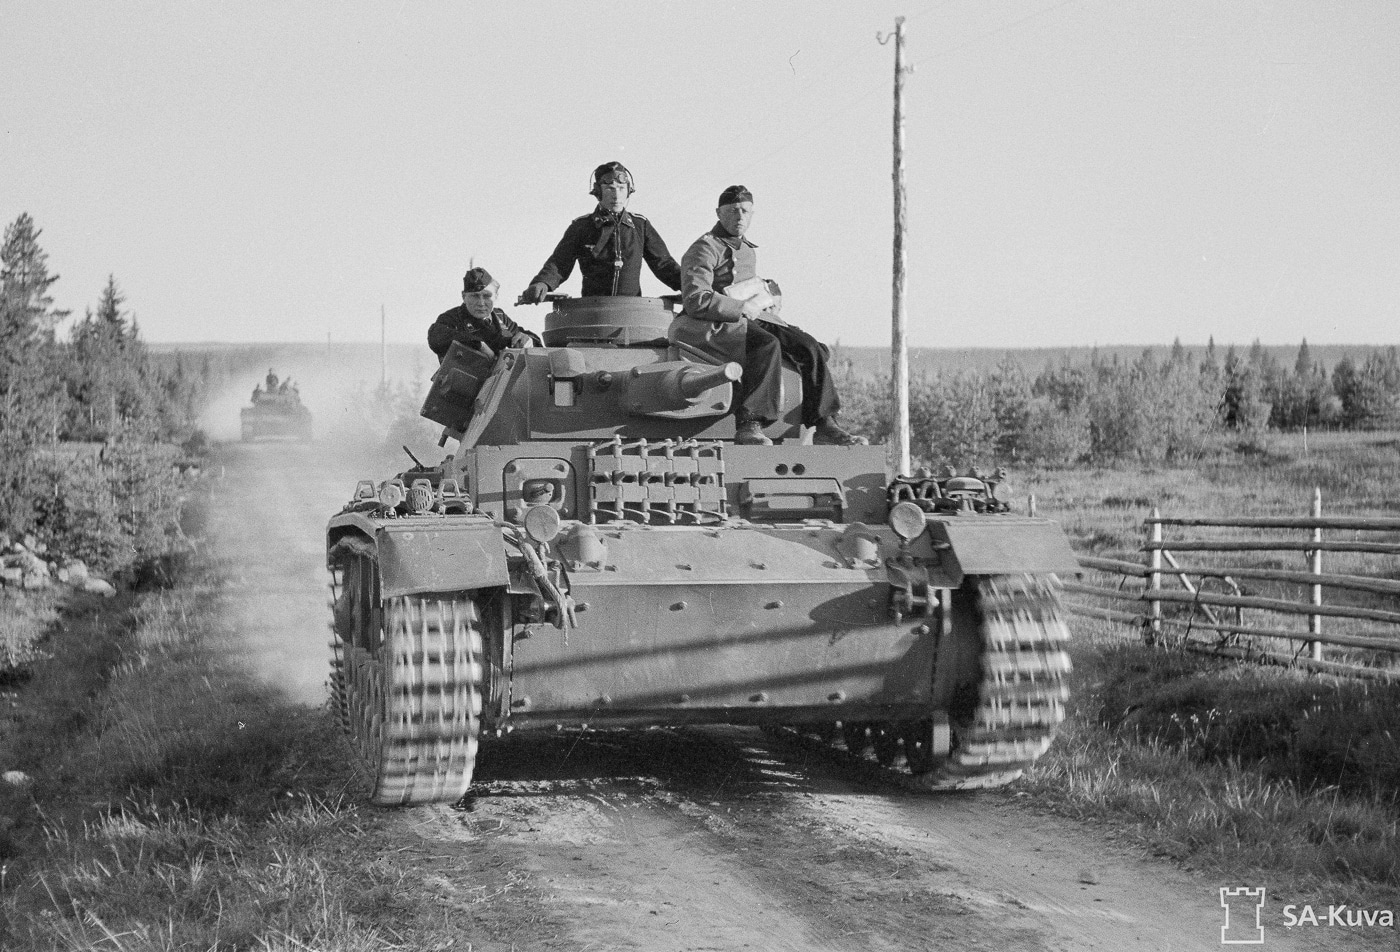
1078	172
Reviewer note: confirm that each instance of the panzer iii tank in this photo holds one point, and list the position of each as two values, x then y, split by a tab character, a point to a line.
599	553
276	413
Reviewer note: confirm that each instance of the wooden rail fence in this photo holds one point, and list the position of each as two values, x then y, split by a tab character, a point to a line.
1238	596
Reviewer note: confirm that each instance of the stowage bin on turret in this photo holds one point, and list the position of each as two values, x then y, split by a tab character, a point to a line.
598	551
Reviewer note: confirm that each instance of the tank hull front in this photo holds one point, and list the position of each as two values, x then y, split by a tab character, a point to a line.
260	424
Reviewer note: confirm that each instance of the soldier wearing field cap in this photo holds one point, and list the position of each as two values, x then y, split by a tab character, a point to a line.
609	244
743	325
477	320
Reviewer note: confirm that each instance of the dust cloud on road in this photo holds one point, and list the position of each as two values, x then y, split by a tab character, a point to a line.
268	508
701	838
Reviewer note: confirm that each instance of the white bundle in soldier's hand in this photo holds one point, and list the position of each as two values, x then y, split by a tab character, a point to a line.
763	294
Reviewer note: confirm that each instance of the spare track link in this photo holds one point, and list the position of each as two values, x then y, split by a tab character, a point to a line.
1022	694
406	680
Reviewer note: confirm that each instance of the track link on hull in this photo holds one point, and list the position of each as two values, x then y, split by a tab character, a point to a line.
406	683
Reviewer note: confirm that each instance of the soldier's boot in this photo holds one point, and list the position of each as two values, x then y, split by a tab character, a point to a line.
750	433
829	433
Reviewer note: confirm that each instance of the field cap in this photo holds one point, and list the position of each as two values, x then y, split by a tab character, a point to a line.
477	279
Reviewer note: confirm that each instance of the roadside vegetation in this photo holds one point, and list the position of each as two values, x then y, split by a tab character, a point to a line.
171	804
1263	774
93	428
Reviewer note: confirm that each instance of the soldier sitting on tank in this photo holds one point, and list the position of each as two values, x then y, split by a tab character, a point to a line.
477	322
609	244
271	381
747	329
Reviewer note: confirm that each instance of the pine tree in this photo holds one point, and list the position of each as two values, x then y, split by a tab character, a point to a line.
1303	366
30	396
110	379
25	279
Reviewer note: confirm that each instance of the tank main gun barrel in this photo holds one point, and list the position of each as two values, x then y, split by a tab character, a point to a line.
674	385
695	380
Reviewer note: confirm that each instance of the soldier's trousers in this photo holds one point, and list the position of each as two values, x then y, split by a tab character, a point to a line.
766	347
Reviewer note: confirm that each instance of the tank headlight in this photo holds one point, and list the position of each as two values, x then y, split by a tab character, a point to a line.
907	520
541	523
420	496
390	495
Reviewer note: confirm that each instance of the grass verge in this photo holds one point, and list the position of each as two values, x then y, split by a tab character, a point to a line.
176	805
1258	774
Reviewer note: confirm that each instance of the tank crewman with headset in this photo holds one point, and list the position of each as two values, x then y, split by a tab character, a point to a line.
749	330
609	245
477	320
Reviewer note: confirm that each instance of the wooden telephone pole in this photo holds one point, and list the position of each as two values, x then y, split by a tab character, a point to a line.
899	449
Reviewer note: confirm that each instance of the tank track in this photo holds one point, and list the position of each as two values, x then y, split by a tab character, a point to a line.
406	679
1002	723
407	686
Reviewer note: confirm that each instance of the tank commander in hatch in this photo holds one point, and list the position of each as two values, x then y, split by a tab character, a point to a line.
477	321
609	245
731	313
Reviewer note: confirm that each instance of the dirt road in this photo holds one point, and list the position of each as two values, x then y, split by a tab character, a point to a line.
723	838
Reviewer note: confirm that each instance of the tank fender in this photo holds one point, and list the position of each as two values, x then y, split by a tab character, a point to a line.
1001	545
455	554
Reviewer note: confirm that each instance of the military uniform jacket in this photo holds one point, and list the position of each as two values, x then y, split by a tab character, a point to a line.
610	251
458	324
711	321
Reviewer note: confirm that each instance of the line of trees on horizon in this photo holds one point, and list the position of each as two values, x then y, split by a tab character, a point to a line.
1106	410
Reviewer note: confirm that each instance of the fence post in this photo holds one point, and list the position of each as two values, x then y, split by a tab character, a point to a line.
1154	579
1315	621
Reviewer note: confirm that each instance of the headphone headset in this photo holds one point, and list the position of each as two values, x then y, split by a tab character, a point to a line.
604	169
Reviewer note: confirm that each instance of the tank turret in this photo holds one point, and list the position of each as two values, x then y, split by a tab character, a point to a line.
596	491
607	369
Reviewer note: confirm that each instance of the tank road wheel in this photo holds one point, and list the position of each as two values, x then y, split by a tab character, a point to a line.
921	744
856	734
885	738
1004	719
407	675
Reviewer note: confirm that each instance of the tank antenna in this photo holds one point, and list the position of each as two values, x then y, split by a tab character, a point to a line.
414	458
